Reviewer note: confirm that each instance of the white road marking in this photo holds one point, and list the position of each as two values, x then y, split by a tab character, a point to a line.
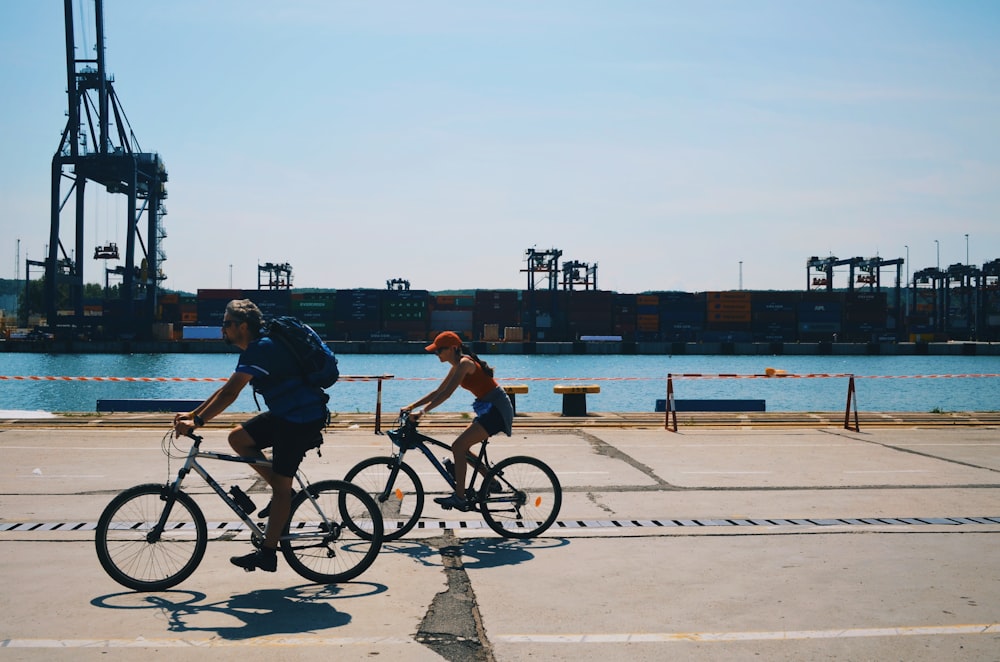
568	638
666	637
889	471
727	473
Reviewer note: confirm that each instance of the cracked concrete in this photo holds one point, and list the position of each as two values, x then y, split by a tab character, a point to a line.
453	627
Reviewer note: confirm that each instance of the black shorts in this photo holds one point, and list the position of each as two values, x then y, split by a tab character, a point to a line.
290	441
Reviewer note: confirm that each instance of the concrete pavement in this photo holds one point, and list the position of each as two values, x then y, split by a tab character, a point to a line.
734	542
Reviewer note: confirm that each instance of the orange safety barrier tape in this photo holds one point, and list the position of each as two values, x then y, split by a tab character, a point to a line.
369	378
37	378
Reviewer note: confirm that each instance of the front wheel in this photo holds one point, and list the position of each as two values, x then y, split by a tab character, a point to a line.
136	553
521	497
404	501
334	532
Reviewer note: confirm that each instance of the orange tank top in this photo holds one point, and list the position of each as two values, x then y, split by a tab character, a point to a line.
479	382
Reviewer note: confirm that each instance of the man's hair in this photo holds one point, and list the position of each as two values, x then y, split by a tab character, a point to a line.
245	310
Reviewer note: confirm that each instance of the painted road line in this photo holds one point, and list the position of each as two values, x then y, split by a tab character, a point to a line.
780	635
162	642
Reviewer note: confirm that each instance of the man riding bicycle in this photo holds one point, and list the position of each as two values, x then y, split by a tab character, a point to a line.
293	424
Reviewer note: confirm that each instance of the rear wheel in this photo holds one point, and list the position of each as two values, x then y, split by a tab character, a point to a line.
336	538
402	506
137	556
521	497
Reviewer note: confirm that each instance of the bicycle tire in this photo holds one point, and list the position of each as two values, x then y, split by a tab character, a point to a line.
131	558
529	499
329	555
402	508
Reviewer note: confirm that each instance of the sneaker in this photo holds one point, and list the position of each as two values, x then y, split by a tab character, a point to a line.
266	510
265	559
453	501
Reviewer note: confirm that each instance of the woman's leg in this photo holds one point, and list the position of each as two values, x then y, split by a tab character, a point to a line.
472	435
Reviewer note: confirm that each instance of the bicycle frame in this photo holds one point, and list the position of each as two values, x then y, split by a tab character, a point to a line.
191	464
421	442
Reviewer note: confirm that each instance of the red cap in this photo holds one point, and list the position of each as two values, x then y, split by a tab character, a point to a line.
444	339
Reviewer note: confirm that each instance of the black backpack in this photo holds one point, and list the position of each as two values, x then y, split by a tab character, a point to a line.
316	361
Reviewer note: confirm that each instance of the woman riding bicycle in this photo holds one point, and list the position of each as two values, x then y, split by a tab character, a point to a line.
494	412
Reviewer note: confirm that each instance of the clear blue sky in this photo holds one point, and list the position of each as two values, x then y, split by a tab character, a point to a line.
667	142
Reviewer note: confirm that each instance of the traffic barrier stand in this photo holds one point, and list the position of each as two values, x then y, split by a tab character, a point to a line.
852	399
670	409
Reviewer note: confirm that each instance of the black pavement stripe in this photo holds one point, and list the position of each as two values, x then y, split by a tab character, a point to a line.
47	527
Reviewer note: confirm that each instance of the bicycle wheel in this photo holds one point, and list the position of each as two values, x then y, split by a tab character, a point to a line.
402	507
130	552
320	545
527	501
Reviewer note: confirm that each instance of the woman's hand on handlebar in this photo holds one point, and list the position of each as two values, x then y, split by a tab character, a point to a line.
406	414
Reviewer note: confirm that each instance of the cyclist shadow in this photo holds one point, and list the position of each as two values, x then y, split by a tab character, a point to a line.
258	613
476	553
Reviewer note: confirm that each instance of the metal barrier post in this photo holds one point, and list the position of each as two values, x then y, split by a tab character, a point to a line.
851	399
378	396
670	408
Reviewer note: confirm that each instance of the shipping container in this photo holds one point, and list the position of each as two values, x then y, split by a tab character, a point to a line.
669	316
681	304
459	321
405	306
771	316
453	302
648	323
217	295
775	301
359	305
649	300
502	312
819	311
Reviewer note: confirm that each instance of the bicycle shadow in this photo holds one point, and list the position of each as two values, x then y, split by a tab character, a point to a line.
258	613
477	553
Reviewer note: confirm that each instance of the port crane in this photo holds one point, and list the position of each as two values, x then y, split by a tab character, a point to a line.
99	147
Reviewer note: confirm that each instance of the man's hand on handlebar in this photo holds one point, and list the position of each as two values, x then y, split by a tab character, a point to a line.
183	425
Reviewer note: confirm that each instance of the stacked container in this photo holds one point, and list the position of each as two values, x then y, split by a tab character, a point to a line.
773	316
405	314
647	317
358	314
588	313
819	316
317	309
496	307
682	316
623	316
451	313
727	317
865	316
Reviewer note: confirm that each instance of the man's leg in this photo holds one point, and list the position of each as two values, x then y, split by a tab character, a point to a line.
281	506
244	445
266	558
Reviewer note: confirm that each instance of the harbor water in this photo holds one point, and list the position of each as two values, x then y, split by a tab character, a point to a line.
627	383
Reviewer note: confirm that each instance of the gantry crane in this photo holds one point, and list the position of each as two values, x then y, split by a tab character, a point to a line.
279	276
826	265
98	146
579	273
